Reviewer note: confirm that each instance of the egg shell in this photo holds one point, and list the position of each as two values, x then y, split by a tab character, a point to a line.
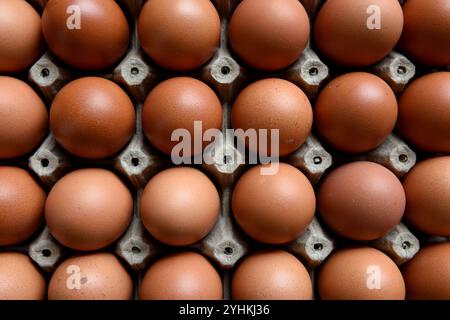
95	276
175	104
21	43
427	275
273	104
269	35
360	273
22	202
23	118
181	276
271	275
426	32
424	112
92	118
274	208
179	34
88	209
356	112
346	32
361	200
179	206
427	189
97	42
20	279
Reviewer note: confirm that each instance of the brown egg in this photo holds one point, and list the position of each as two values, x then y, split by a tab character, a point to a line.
427	189
179	206
22	203
179	34
424	112
427	275
23	118
360	273
21	43
92	118
95	276
356	112
181	276
426	32
274	104
175	104
358	33
274	208
269	35
87	34
20	279
361	200
88	209
271	275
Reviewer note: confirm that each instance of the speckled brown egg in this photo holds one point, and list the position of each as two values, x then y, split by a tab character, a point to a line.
348	33
271	275
92	118
87	34
181	276
22	202
360	273
21	40
426	32
179	206
179	34
427	188
95	276
356	112
361	200
23	118
424	112
269	35
20	279
273	208
88	209
273	104
175	104
427	275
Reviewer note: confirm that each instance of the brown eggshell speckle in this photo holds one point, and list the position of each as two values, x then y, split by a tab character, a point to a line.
181	276
361	200
427	275
179	34
22	203
92	118
175	104
23	118
179	206
427	189
20	279
424	112
96	276
273	208
269	35
271	275
356	112
274	104
426	31
342	34
88	209
100	40
20	43
360	273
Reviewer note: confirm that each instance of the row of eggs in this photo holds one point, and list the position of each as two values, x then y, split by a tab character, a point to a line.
183	35
94	118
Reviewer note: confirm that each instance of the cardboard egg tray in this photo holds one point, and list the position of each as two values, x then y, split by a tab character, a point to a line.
226	244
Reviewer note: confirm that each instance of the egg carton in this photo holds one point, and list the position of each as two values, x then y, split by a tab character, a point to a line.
226	244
